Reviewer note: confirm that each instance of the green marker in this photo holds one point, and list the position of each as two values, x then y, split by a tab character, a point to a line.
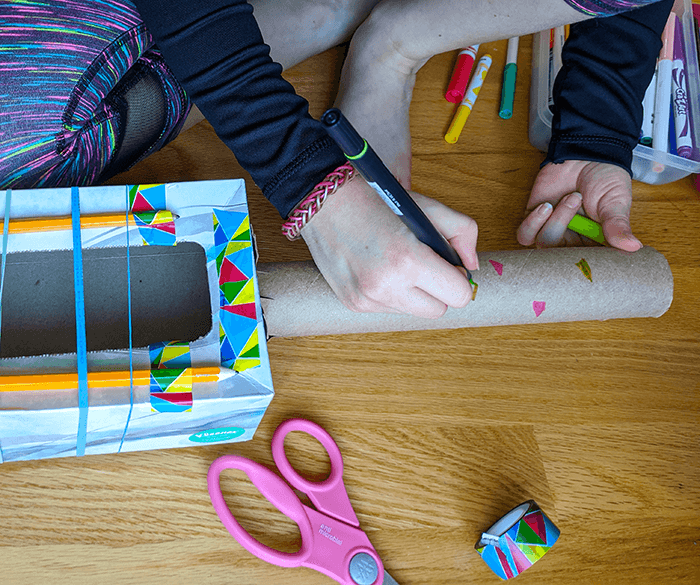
509	75
587	227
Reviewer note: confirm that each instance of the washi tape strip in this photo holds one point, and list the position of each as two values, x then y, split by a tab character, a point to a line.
517	541
157	228
147	198
171	390
171	377
171	373
238	329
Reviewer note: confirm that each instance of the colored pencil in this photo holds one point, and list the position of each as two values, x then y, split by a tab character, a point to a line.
114	379
49	224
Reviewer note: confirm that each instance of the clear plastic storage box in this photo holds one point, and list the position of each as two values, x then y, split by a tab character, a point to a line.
645	159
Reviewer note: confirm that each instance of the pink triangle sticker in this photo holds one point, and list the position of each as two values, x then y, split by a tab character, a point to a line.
538	307
497	266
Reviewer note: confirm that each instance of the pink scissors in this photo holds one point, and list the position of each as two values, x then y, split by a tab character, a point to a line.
331	539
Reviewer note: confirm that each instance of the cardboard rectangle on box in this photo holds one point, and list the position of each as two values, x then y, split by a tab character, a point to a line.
169	299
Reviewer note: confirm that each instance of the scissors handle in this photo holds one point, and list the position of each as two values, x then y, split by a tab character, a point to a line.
328	496
331	540
278	493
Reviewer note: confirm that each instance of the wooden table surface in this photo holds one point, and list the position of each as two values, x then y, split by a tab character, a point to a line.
442	431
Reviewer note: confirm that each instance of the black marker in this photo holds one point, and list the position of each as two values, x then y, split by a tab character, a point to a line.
365	160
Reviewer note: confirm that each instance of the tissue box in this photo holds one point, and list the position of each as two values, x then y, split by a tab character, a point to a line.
198	369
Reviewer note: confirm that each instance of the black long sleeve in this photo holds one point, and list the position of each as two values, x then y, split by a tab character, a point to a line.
607	65
216	51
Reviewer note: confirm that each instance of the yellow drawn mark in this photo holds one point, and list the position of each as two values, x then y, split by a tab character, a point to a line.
585	268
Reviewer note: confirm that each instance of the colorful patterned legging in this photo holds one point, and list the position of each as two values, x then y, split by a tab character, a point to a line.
606	7
83	94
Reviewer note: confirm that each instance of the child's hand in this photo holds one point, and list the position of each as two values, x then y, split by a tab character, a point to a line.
373	262
605	190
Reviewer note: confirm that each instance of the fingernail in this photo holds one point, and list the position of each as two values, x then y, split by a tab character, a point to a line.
573	201
475	259
544	209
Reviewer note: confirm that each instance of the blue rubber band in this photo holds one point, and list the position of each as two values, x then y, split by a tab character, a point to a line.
5	236
81	343
131	352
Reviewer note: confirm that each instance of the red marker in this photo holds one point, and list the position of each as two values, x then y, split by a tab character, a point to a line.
461	74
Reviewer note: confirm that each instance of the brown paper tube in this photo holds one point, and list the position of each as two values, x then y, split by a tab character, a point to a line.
515	288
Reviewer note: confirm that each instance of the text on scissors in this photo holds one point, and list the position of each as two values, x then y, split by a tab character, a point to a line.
326	532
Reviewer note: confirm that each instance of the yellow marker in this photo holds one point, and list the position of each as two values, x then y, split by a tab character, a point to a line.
118	379
51	224
465	108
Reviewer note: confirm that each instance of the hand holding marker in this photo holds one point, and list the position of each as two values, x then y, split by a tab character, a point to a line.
365	160
580	224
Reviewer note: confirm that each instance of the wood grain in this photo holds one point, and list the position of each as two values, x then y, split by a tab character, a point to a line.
442	431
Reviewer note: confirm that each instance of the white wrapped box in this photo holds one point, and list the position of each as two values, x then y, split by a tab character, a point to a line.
191	273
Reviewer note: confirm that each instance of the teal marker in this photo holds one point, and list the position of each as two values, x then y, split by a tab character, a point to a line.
509	76
587	227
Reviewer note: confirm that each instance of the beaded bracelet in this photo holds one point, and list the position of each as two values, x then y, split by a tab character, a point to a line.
310	205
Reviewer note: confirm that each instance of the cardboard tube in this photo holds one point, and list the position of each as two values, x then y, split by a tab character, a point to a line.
515	287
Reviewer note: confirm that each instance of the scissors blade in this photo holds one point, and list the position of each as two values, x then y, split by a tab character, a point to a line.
388	579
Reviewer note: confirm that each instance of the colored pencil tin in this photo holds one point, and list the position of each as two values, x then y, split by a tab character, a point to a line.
176	348
649	165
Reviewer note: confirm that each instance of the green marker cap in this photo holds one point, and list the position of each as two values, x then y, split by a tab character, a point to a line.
587	227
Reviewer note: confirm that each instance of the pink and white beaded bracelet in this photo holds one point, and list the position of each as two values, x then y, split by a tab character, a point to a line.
310	205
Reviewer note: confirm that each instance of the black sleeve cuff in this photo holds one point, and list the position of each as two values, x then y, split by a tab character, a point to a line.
296	180
606	149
